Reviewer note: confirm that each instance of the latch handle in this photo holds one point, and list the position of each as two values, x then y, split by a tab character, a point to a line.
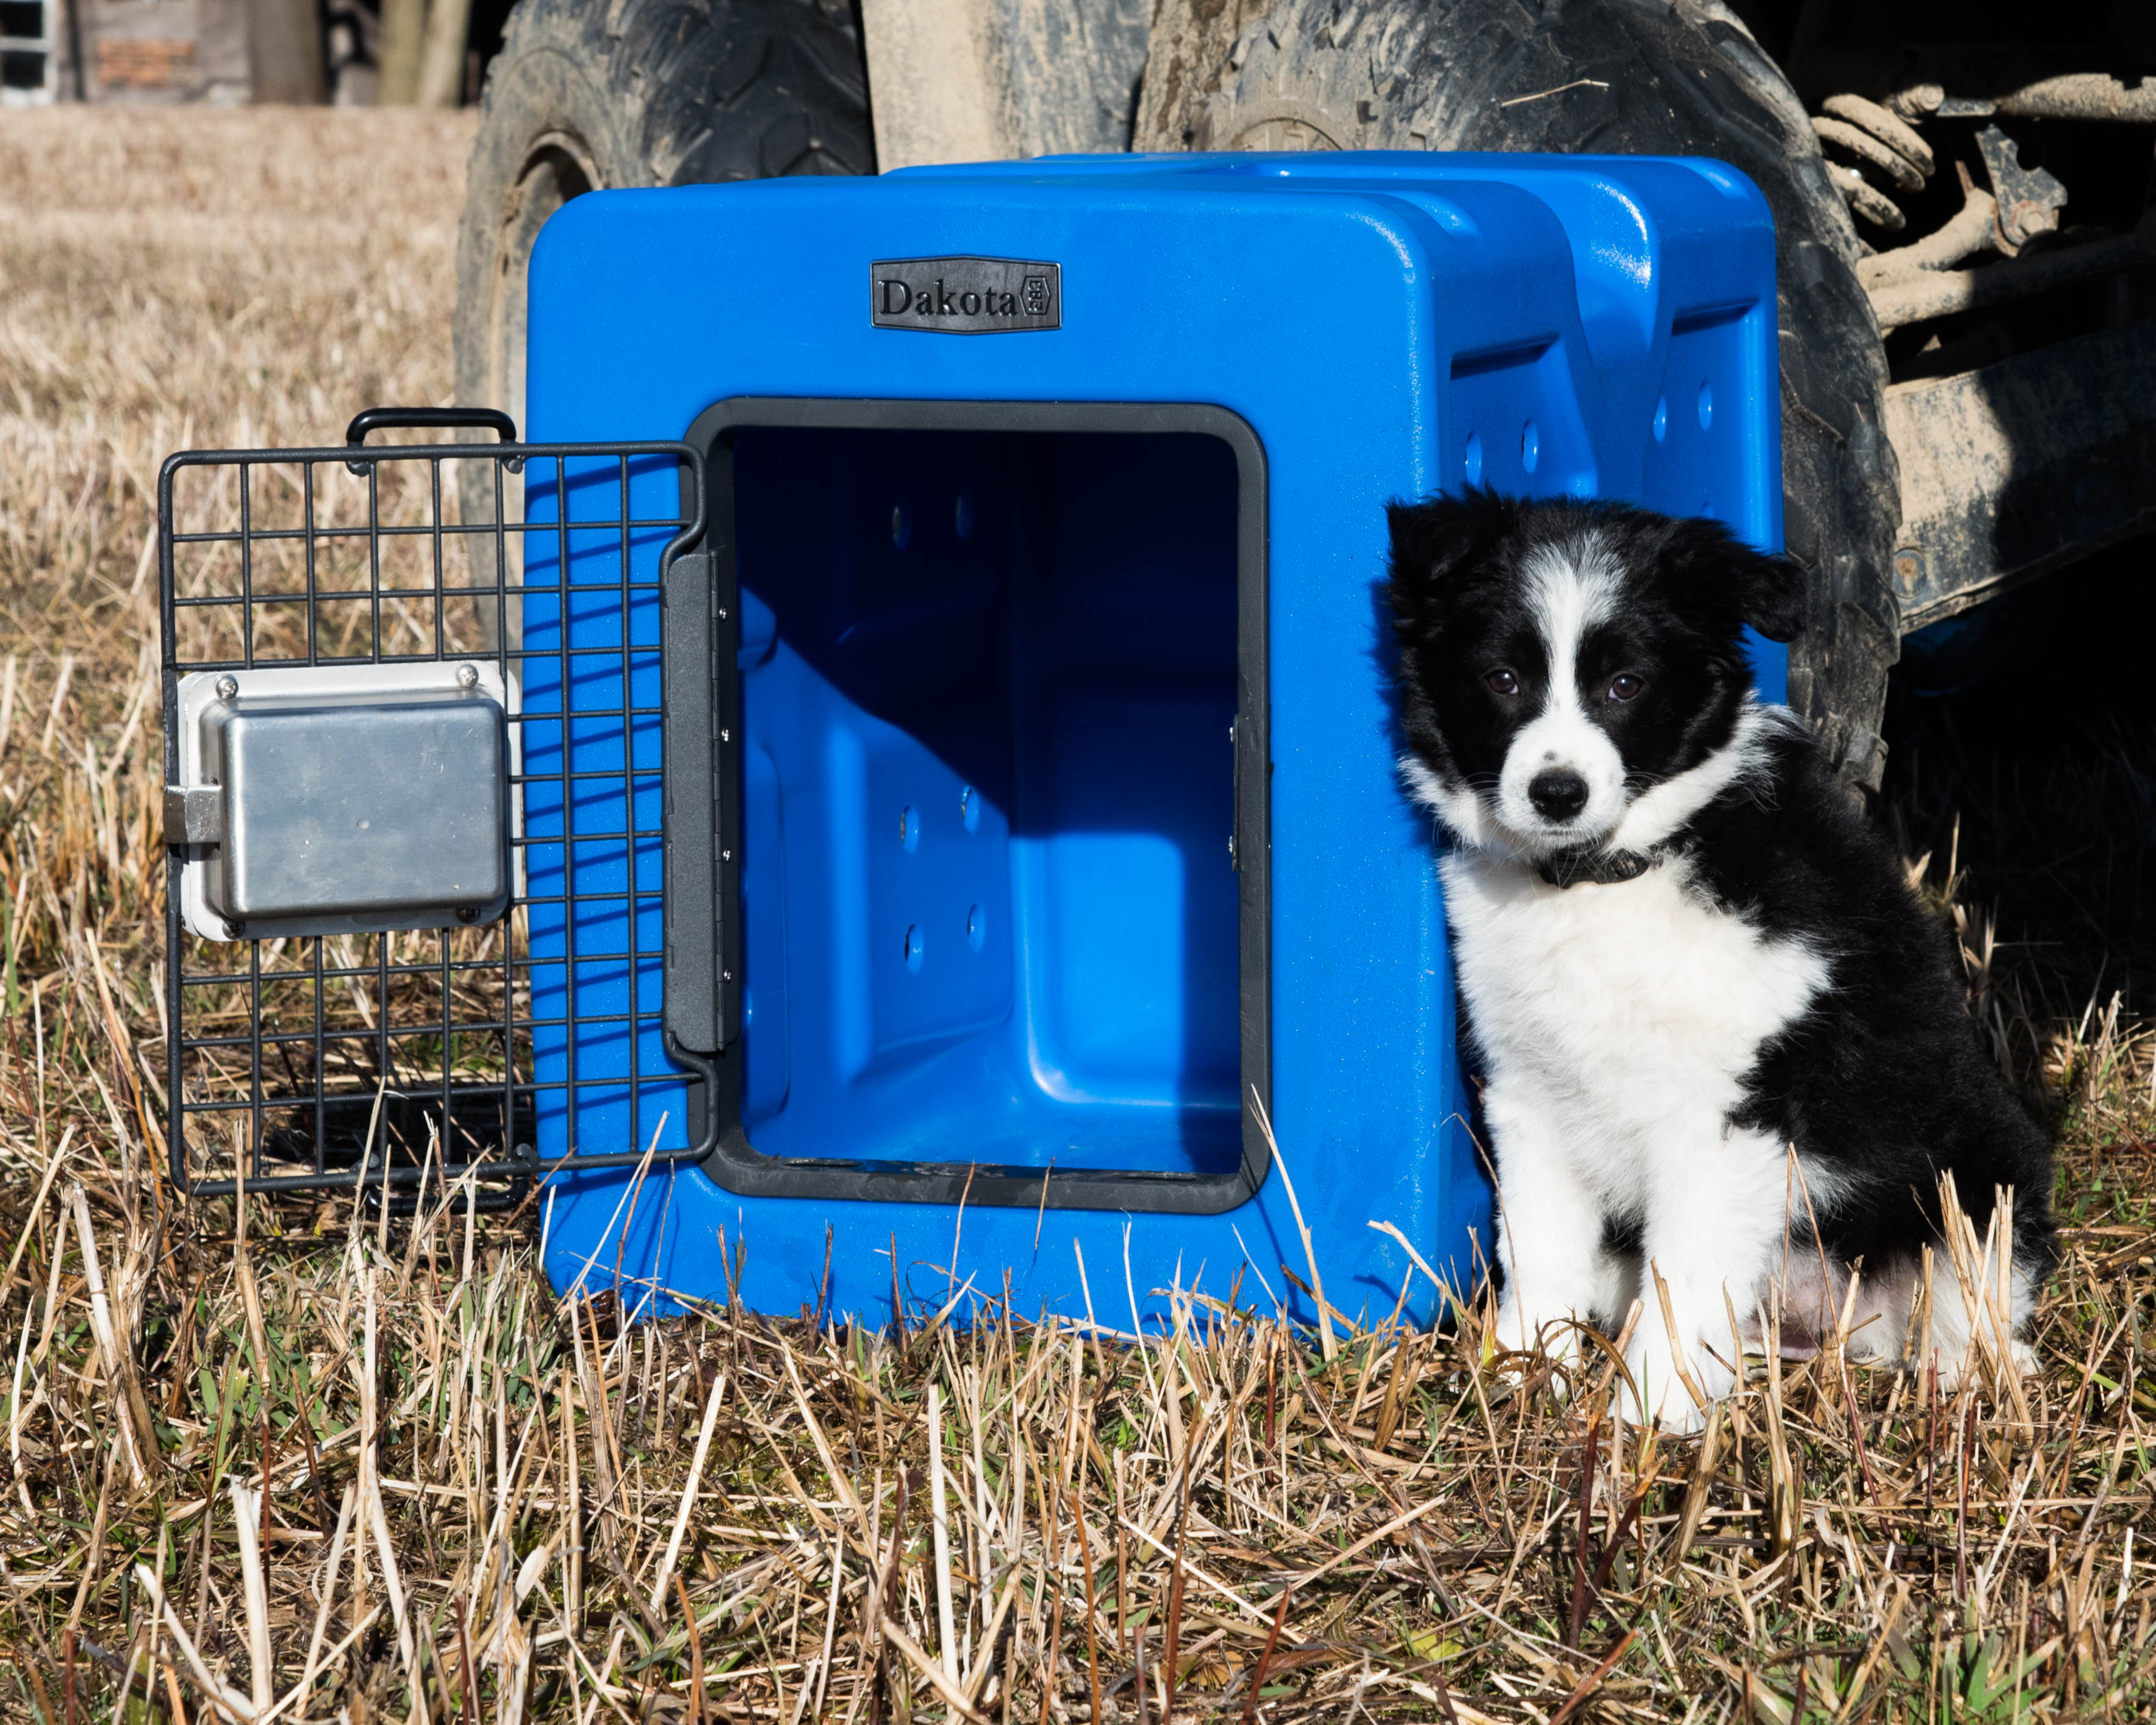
194	815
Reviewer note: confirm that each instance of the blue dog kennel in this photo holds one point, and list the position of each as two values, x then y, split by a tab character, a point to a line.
1054	822
950	775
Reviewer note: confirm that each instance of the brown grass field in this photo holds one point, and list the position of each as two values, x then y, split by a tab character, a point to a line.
302	1464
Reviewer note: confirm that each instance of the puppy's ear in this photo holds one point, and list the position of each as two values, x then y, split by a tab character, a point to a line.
1771	593
1722	573
1432	539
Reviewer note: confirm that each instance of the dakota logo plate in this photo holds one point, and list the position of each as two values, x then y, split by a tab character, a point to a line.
965	296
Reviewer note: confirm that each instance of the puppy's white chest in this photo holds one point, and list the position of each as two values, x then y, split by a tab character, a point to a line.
1633	1003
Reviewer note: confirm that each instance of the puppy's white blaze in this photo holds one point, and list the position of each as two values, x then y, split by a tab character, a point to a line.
1569	590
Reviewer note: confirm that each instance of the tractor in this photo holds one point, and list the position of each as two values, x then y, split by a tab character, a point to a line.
1962	196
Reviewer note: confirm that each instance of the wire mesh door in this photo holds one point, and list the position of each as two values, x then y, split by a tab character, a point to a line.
503	1044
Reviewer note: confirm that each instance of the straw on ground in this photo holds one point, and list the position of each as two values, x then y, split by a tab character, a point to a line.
291	1460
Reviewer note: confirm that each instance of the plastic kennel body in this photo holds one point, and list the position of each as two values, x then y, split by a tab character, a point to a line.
1042	826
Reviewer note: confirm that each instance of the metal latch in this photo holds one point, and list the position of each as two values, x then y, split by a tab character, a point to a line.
194	815
340	800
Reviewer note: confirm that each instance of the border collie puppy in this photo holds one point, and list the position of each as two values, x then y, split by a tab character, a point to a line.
1725	1049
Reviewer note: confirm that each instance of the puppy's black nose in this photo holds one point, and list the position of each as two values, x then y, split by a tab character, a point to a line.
1558	793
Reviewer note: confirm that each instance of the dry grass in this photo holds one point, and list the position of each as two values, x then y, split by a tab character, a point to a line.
308	1461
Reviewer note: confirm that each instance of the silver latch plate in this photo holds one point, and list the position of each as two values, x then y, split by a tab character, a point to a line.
343	800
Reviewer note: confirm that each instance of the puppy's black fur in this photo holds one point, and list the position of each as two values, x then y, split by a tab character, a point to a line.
1883	1075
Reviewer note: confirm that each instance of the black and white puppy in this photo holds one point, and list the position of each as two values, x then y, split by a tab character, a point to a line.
1684	955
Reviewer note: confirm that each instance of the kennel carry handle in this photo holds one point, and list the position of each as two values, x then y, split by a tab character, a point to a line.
693	1016
367	420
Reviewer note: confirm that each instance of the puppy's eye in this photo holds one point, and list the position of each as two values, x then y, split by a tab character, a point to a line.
1624	685
1503	682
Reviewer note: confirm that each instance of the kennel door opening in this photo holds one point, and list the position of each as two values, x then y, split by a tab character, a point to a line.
989	904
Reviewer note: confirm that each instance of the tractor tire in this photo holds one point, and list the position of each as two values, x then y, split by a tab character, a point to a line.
1660	77
586	94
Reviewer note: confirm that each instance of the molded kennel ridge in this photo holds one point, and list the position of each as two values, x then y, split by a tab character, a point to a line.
1054	827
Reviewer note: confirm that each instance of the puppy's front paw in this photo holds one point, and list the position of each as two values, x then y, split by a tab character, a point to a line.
1554	1335
1659	1392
